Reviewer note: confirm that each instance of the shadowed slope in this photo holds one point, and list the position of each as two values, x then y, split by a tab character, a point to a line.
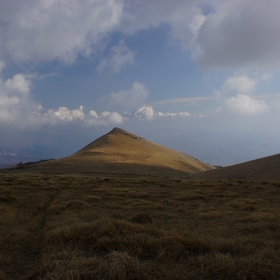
122	152
267	168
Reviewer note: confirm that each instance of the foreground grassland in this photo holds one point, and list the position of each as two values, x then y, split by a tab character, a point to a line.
67	227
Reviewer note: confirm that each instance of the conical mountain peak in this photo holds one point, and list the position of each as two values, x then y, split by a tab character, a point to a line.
116	139
122	152
121	146
118	130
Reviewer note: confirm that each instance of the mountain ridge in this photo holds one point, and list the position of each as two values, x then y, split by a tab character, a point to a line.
265	168
122	152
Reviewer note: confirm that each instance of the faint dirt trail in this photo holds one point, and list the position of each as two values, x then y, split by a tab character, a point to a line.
30	255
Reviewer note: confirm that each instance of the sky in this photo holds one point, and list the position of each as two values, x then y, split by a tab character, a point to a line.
198	76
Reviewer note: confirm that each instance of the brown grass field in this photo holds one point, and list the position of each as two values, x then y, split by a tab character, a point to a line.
88	227
126	208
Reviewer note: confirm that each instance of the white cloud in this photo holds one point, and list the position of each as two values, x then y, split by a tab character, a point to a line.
19	83
127	99
64	114
241	83
93	113
16	104
244	104
119	57
105	118
47	30
235	34
17	107
115	117
229	34
147	112
173	115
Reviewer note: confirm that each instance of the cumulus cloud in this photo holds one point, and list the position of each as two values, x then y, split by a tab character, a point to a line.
47	30
231	34
18	108
226	34
119	57
19	83
241	83
244	101
104	118
127	99
147	112
244	104
16	104
64	114
235	34
173	115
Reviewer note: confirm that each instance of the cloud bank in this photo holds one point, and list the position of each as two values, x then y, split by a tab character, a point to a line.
235	34
49	30
18	108
218	33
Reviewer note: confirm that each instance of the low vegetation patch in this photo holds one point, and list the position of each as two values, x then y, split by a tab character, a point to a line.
66	227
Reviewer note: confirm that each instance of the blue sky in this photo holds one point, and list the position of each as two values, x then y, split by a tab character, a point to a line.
199	76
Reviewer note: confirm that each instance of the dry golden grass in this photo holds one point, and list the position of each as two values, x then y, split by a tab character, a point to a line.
78	227
266	168
120	152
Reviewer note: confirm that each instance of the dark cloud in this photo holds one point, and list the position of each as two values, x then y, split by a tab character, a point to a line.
240	34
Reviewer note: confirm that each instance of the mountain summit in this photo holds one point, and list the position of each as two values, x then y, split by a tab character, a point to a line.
122	152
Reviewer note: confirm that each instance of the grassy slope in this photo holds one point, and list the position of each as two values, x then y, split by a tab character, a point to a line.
78	227
266	168
121	152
